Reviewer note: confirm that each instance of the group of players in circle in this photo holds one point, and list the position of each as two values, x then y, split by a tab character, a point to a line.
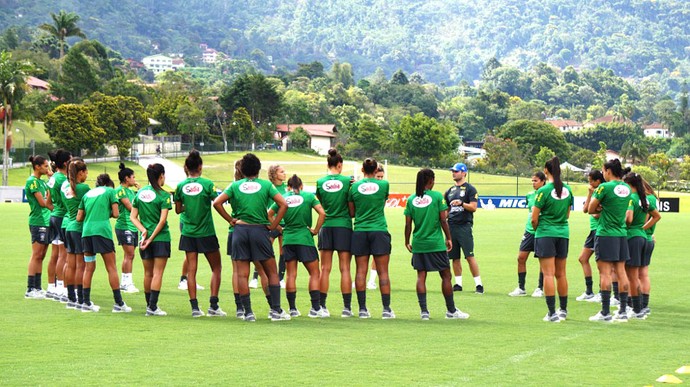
75	219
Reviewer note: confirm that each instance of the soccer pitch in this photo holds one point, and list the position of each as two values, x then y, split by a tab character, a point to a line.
505	341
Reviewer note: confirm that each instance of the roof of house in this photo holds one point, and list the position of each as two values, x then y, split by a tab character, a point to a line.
607	119
36	83
655	125
564	123
319	130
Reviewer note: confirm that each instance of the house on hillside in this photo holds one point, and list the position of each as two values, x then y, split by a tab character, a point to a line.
322	136
37	84
178	63
564	125
656	129
607	120
158	63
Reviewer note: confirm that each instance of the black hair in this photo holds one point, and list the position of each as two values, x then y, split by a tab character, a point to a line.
104	180
294	182
635	180
75	166
380	169
369	165
334	158
60	157
424	176
554	168
37	160
193	162
124	173
596	175
154	172
539	175
238	170
616	168
251	165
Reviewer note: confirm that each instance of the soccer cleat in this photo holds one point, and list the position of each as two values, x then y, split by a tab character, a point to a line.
121	308
279	316
216	312
388	315
254	283
130	288
601	317
646	311
325	313
282	284
457	288
315	313
50	295
90	307
562	314
552	318
363	313
457	315
620	317
157	312
35	294
479	289
71	305
371	285
182	285
240	314
199	287
79	306
538	293
596	298
346	313
296	313
64	299
637	316
518	292
197	313
249	317
615	301
584	296
424	316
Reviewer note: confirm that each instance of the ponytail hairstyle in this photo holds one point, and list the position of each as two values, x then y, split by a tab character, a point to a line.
154	172
238	170
539	175
104	180
616	168
193	161
649	190
635	180
251	165
273	172
334	158
596	175
75	166
369	165
554	168
424	176
37	161
295	182
59	158
124	173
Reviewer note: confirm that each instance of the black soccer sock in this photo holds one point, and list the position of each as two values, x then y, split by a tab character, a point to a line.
450	303
268	299
195	303
421	297
551	304
361	299
117	296
238	301
148	299
347	301
521	280
541	280
213	300
87	295
256	274
563	302
322	299
386	301
605	302
637	304
37	281
645	300
30	283
281	267
315	297
274	290
153	303
588	285
80	294
291	297
246	304
624	301
70	293
183	278
616	294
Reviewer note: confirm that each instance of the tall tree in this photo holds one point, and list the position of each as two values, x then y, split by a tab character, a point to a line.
12	88
64	26
122	118
74	128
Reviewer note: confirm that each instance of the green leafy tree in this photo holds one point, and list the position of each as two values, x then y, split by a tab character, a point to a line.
663	165
367	139
399	78
582	158
600	159
423	137
299	139
243	127
191	120
311	70
635	151
64	26
12	89
530	134
685	168
73	127
256	94
649	174
545	154
122	118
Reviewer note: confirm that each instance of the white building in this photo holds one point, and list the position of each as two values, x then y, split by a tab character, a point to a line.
322	137
656	130
158	63
210	56
565	125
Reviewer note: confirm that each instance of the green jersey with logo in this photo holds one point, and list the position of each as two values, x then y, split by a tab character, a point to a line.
332	191
123	222
652	200
72	201
150	203
298	219
196	194
369	197
554	209
38	216
55	183
425	213
593	222
614	197
531	196
97	206
249	199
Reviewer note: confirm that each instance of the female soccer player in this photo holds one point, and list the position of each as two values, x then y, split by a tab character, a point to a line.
38	195
595	179
527	243
72	191
58	256
277	176
336	233
550	221
645	285
150	216
380	174
193	198
611	200
95	211
126	233
298	243
367	200
249	198
429	213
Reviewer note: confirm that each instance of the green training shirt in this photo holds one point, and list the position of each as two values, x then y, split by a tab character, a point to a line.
249	199
298	218
196	194
97	206
652	200
123	222
593	223
54	183
150	203
425	214
72	205
553	218
531	196
639	217
614	197
38	216
332	191
369	196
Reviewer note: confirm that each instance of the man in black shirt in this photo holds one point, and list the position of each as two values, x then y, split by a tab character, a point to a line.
462	203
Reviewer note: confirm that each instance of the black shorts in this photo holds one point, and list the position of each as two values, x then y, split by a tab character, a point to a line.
548	247
589	242
301	253
201	245
370	243
156	250
527	243
436	261
127	238
96	244
335	238
251	243
57	233
611	249
636	248
40	234
461	234
73	242
229	248
647	255
275	233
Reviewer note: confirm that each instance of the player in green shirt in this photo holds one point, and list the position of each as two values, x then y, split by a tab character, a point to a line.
371	283
58	255
645	285
150	216
551	235
127	235
367	200
193	198
595	178
427	210
611	200
527	242
72	191
95	210
38	196
298	243
336	233
278	177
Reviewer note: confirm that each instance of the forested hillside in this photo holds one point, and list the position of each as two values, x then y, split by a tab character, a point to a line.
442	40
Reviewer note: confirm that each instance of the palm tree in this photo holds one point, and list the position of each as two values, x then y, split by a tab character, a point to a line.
12	88
64	26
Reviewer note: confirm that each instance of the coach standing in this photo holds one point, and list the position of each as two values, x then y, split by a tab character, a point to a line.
462	203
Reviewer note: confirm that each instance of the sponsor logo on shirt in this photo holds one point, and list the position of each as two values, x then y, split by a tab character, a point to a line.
422	202
622	191
332	186
368	188
294	201
250	187
192	189
51	182
98	191
564	194
67	190
147	196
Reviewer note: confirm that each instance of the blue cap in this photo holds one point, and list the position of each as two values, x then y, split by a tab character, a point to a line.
459	167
